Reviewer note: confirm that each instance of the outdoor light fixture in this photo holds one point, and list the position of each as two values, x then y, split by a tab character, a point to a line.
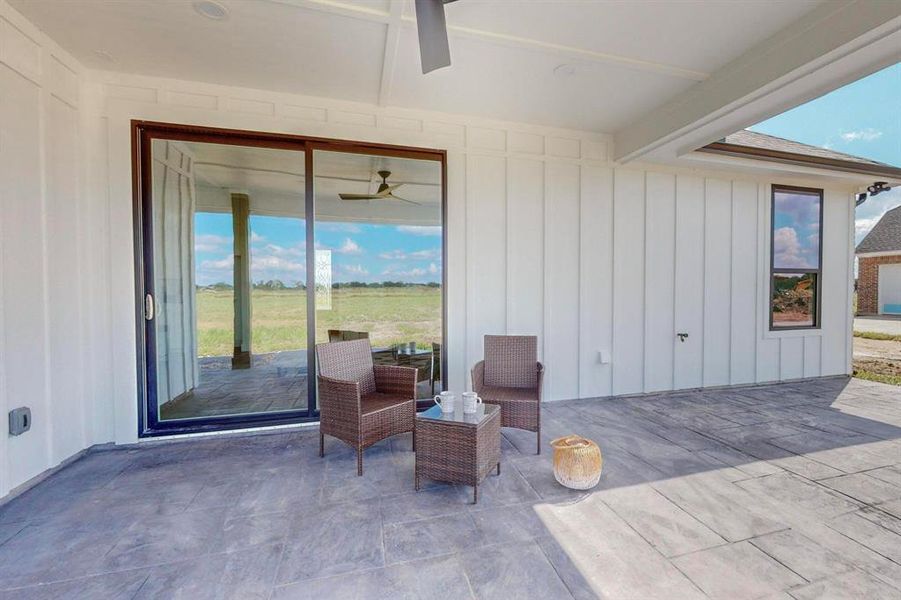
873	190
878	187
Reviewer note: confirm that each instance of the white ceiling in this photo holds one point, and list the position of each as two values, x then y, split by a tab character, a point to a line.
627	57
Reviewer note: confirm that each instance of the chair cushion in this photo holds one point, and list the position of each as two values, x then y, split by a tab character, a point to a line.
511	361
508	394
376	401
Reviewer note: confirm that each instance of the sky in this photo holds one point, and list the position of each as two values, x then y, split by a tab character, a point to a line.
359	251
863	119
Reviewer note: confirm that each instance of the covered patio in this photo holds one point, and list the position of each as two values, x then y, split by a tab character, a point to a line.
243	245
750	492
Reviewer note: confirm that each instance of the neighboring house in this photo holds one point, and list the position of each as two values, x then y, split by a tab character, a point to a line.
879	267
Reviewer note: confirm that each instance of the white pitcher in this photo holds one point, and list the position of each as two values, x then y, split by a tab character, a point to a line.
471	402
446	401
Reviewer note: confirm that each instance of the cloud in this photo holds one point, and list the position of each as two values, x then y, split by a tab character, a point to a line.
256	237
416	273
433	254
355	270
866	135
349	247
863	226
789	252
421	230
211	243
222	264
276	250
274	264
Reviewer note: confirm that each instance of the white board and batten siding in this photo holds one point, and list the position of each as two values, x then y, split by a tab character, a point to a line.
54	342
547	236
615	261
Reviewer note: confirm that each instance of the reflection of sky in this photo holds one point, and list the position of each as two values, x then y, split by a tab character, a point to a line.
360	252
796	236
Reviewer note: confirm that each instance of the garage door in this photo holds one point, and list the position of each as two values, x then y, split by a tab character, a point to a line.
890	289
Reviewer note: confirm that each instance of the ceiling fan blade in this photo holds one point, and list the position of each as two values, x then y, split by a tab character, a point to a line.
386	191
434	51
358	197
404	200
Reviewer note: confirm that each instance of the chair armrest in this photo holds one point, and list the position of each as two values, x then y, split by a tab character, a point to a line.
478	376
339	399
393	379
540	379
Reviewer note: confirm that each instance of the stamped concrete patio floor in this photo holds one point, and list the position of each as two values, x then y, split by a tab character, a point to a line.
779	491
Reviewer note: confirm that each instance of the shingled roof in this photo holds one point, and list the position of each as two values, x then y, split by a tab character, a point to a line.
885	235
753	139
751	144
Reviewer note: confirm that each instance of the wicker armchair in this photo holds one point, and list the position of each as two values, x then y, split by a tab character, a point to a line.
511	376
361	404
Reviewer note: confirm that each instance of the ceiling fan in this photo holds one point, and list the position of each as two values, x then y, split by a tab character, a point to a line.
434	51
385	191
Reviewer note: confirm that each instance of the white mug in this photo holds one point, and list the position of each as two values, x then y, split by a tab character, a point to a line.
471	402
446	401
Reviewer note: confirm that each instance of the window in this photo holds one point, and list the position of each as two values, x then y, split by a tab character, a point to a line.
796	255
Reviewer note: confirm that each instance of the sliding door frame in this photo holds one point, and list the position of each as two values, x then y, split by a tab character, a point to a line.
142	134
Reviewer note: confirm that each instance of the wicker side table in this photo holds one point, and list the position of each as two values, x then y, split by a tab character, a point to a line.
458	448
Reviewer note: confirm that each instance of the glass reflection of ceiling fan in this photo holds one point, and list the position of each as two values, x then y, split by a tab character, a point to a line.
385	191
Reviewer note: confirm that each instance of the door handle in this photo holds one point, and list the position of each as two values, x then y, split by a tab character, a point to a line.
148	307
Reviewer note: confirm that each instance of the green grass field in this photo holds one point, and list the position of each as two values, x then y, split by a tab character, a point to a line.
390	315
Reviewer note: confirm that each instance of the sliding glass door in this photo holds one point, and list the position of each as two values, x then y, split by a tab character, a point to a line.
254	247
379	256
227	306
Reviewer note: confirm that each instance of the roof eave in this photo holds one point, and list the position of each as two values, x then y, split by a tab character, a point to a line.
876	253
767	154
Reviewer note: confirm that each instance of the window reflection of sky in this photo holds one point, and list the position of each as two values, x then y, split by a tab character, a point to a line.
360	251
796	234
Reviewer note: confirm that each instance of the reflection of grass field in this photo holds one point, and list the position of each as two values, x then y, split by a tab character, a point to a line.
390	315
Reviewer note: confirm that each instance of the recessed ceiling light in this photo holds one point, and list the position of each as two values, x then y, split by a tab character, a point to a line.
211	10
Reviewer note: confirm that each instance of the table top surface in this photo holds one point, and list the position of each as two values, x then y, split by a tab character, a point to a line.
483	412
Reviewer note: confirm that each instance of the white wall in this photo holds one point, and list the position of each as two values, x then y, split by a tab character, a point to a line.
548	236
54	341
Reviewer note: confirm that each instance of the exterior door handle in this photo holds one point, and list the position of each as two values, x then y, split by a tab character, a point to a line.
148	307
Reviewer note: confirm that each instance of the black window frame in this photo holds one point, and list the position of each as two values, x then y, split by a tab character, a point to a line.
817	273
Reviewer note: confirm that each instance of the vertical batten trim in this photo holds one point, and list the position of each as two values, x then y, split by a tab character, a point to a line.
704	287
43	132
757	283
675	245
544	286
612	282
611	248
644	291
849	295
579	286
731	279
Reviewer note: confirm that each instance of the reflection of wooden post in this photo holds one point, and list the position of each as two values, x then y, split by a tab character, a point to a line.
240	220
